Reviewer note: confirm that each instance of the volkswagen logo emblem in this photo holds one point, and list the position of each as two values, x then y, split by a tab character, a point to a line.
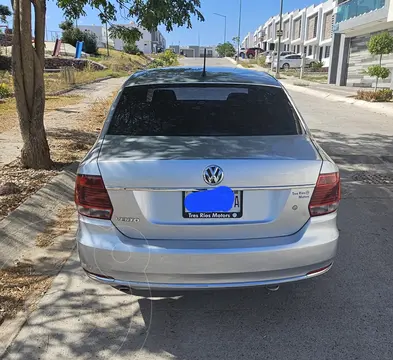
213	175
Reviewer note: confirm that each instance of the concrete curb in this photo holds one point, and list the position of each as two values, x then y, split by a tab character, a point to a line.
19	229
233	61
379	108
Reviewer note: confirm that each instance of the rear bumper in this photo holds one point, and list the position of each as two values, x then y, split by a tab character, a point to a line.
122	284
111	258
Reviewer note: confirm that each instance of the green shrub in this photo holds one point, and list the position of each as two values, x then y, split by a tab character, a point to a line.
380	44
226	49
156	63
317	65
73	35
5	91
168	57
132	49
378	71
383	95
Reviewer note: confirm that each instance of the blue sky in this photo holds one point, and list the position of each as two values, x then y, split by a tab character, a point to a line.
211	31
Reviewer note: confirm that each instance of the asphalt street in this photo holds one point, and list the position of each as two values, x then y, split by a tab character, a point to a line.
345	314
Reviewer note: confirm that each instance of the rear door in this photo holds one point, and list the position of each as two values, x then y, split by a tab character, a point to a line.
296	61
166	143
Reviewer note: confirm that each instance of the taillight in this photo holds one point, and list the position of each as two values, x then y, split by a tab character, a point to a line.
326	195
91	197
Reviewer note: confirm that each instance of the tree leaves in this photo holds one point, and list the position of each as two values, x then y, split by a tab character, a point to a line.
381	44
378	71
226	49
128	35
147	13
4	12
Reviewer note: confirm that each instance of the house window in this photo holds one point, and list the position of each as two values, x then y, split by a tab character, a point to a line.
305	50
297	29
327	26
286	29
327	51
309	50
312	26
298	49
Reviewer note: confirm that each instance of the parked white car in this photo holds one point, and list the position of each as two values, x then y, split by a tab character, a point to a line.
293	61
269	56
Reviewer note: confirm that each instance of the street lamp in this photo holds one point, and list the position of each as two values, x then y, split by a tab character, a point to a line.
225	25
238	33
225	29
279	42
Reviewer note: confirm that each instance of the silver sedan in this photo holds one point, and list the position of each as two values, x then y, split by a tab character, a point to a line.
205	180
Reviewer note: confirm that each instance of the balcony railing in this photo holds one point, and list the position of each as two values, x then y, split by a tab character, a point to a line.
353	8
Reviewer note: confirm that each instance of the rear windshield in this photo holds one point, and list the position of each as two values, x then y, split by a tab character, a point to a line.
204	111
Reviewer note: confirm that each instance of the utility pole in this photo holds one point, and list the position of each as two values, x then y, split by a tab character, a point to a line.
238	33
279	42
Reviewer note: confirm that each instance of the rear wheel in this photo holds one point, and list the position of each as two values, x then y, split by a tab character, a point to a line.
250	56
285	66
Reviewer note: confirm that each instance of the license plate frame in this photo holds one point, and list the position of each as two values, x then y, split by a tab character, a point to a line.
215	214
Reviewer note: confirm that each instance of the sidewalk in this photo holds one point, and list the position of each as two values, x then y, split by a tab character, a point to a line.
336	94
328	92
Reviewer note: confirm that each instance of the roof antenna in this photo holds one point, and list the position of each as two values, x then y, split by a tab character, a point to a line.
204	64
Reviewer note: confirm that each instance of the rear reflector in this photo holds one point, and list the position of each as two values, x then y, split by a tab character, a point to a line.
326	196
319	271
91	197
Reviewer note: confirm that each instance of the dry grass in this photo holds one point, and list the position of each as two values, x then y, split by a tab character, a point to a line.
17	284
65	219
300	84
120	61
382	95
322	79
9	118
27	180
246	64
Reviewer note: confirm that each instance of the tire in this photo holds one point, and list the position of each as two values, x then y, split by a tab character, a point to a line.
250	56
286	66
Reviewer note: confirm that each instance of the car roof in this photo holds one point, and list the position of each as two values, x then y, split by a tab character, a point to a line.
186	74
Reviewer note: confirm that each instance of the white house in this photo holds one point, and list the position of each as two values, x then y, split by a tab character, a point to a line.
99	31
307	30
148	43
248	41
355	22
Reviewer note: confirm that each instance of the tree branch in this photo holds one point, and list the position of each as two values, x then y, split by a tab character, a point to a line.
39	31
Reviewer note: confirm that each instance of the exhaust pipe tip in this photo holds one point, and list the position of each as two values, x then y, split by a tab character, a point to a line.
273	288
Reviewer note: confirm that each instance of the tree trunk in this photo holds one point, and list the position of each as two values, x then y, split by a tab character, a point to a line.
380	64
28	74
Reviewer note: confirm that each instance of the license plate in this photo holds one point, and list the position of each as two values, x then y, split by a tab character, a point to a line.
234	213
